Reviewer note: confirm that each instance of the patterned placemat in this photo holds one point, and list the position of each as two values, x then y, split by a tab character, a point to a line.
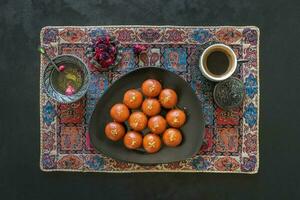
231	138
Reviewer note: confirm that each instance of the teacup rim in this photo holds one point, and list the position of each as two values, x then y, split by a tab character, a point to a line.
225	76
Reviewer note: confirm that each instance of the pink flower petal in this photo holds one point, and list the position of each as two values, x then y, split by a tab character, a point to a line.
70	90
61	68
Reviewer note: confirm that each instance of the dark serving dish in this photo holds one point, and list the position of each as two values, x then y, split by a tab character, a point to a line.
192	131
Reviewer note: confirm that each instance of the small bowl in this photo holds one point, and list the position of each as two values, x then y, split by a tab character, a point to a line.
48	79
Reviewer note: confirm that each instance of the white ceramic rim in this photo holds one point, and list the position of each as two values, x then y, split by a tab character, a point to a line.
225	76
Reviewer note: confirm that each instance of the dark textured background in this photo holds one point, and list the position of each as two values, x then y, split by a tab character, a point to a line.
20	24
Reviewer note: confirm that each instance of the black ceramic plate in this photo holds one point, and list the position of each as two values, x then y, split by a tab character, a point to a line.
193	129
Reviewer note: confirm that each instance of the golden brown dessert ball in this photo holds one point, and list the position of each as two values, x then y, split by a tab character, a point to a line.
157	124
168	98
151	88
172	137
133	140
133	98
138	121
151	107
151	143
176	118
119	112
114	131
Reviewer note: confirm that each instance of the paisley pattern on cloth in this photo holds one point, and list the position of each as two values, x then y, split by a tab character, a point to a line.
231	138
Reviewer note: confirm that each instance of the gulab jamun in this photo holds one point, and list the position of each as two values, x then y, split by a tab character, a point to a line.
176	118
172	137
119	112
151	107
151	143
168	98
133	99
133	140
138	121
157	124
114	131
151	88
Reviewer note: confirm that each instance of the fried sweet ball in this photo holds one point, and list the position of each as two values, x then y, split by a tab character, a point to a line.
176	118
133	99
138	121
157	124
133	140
151	143
151	107
114	131
119	112
172	137
151	88
168	98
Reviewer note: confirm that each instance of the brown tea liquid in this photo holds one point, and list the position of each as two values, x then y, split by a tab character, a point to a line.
217	63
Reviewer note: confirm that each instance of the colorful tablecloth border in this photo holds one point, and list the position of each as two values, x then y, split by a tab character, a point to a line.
231	142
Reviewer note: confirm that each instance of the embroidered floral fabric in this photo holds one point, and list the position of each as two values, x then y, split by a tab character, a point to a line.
231	138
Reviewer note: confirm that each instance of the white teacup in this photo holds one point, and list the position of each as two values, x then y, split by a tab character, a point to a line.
218	62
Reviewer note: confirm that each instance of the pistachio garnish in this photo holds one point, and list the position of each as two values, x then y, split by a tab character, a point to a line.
149	106
132	99
151	88
166	99
172	137
176	120
114	132
152	144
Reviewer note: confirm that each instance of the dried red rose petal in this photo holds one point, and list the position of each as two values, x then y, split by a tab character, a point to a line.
110	61
99	41
104	64
104	56
105	50
107	39
112	50
98	51
138	48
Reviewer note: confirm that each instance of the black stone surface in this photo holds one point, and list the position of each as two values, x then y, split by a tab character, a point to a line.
20	176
